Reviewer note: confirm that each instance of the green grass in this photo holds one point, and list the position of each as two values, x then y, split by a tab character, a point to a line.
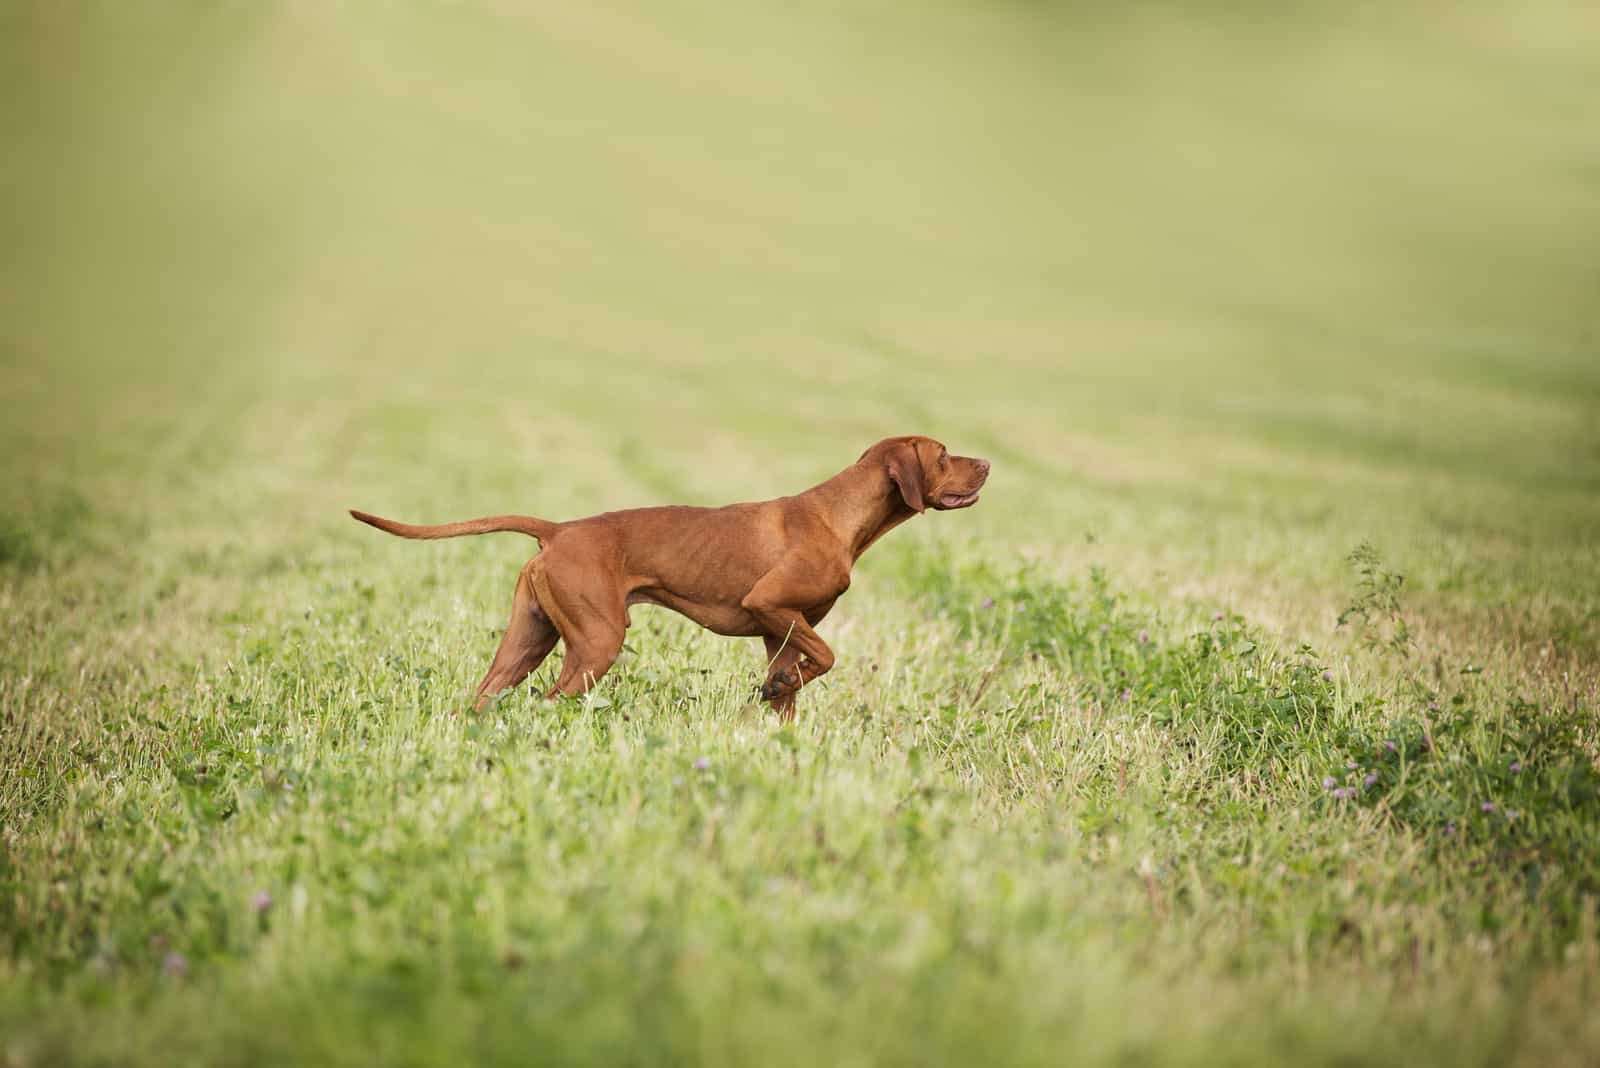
1254	315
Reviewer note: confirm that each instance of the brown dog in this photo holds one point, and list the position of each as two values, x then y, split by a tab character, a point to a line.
770	570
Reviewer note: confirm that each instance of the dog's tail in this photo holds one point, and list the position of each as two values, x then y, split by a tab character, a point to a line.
521	524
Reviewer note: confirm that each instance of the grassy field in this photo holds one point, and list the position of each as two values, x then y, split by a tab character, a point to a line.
1253	316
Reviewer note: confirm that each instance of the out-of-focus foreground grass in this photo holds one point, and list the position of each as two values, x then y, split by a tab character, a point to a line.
1223	292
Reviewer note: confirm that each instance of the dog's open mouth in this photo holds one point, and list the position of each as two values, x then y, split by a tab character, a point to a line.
958	500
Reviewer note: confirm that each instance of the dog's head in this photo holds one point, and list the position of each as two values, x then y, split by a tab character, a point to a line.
925	473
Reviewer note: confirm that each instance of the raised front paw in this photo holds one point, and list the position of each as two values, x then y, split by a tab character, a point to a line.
780	685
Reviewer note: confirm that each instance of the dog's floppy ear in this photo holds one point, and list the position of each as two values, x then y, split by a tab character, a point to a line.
905	471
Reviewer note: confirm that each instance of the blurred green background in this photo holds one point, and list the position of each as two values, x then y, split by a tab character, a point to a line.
1226	286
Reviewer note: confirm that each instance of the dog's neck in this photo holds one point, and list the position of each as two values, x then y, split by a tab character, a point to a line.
863	504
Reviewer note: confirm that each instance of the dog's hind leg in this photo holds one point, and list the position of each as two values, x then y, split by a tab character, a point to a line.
528	640
590	612
588	658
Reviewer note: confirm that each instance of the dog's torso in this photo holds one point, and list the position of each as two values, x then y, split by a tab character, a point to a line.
702	562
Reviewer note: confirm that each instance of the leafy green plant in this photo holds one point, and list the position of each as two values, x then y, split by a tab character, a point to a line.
1375	613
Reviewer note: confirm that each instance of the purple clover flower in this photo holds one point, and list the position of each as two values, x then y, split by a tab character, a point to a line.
1450	827
176	965
988	602
1391	747
1487	806
1516	767
1127	695
1327	676
261	902
1144	637
702	764
1370	781
1329	783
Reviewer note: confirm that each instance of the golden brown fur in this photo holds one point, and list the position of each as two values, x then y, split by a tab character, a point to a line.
770	569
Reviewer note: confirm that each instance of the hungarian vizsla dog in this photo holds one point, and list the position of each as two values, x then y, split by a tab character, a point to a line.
771	569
